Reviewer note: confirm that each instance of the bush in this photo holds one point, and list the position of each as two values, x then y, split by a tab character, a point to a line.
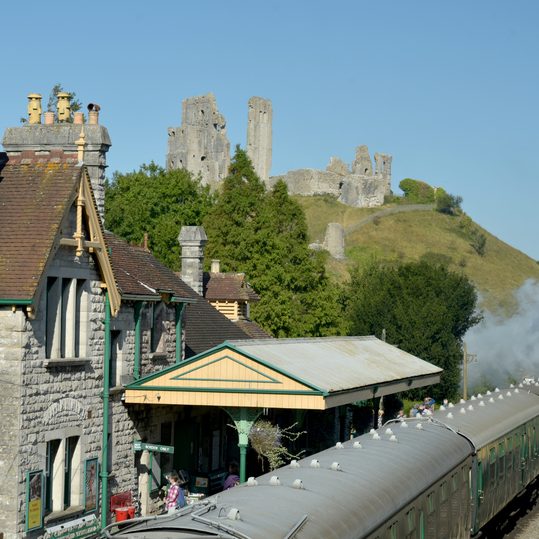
416	191
447	203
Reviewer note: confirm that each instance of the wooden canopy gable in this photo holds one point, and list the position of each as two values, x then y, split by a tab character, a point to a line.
226	377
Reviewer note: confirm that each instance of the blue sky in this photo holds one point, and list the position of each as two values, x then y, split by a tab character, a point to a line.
448	88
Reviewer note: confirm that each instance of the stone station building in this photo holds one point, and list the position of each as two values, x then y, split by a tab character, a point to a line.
88	324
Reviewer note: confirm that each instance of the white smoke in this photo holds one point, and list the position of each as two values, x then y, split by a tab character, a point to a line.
507	348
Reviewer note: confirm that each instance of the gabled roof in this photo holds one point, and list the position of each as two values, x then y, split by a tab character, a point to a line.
139	275
36	195
33	200
314	373
228	286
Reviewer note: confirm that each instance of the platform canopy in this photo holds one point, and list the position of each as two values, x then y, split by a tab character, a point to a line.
311	373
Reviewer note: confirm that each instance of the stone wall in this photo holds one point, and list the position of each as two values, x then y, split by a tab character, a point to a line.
13	343
356	186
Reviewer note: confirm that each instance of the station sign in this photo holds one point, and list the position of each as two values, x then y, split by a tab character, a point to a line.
139	445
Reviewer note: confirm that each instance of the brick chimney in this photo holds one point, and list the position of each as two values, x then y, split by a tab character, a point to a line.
192	241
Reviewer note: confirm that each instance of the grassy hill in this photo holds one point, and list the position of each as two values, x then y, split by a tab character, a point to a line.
425	234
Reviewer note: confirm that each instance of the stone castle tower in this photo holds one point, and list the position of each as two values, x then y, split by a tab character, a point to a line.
62	132
200	144
259	144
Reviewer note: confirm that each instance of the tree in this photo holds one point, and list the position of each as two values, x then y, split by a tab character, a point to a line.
156	202
264	235
425	310
232	223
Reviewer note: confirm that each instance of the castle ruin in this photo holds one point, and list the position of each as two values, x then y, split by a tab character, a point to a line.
201	146
259	124
356	185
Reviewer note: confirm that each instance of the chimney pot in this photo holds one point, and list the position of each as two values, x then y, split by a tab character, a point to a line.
63	106
93	117
49	118
34	108
215	266
78	118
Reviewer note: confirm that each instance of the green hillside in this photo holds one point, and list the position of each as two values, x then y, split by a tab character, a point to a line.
421	234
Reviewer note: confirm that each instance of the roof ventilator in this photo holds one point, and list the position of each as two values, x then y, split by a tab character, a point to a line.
462	411
393	438
275	481
294	464
419	426
336	467
298	483
404	425
375	436
252	482
315	463
449	415
357	445
482	403
233	514
389	432
339	445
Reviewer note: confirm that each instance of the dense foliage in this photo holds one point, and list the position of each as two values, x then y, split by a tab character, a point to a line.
264	235
447	203
416	191
156	202
425	309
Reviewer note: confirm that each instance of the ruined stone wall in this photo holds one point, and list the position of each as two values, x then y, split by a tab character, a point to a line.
200	145
259	141
357	186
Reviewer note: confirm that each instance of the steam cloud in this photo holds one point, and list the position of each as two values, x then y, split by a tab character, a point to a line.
507	347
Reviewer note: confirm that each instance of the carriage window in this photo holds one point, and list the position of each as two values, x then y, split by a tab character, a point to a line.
443	489
501	460
410	517
430	503
492	466
393	531
454	483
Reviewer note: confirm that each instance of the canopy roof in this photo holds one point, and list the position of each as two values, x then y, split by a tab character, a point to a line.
313	373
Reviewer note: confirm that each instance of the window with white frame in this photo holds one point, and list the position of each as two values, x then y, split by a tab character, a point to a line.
63	484
158	329
116	365
66	318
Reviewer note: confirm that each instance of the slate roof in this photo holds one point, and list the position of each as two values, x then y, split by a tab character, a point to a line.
33	200
228	286
138	273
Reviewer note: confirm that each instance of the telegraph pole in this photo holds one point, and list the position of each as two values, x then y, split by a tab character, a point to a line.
466	358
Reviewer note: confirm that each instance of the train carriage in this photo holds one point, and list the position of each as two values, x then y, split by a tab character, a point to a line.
434	477
502	427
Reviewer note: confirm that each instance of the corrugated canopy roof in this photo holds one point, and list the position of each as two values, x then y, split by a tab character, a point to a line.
314	373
